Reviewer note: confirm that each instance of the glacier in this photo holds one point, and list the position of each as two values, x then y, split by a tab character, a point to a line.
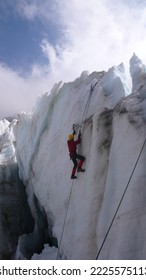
15	214
69	219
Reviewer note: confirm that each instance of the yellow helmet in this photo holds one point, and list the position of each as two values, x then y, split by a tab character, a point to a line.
70	137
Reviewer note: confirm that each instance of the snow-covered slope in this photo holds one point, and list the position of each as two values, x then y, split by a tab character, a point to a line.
73	217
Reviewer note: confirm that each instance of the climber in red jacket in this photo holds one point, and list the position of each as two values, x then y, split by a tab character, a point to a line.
72	146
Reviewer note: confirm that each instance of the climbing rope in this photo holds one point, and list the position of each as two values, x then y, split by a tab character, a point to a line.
106	235
84	117
64	220
87	105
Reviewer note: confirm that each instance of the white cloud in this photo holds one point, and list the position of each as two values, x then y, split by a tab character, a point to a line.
18	93
29	11
102	34
36	8
95	35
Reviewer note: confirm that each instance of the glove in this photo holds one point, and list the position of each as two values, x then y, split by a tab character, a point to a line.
80	133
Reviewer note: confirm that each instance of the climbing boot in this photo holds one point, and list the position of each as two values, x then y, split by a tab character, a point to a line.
73	177
80	169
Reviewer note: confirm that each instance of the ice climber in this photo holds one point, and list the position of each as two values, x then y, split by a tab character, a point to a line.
72	146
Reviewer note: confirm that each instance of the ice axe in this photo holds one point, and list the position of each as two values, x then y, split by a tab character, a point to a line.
75	127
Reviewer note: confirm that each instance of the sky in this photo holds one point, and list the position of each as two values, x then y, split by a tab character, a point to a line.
43	42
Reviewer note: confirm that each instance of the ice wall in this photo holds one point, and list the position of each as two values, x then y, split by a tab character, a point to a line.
15	216
113	133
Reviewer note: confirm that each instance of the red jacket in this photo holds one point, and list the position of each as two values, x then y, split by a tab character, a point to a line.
72	145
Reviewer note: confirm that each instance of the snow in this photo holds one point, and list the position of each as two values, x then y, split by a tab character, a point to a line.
138	73
113	130
15	217
125	149
47	251
7	140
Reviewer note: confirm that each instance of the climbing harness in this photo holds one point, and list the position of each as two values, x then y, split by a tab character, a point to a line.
74	126
106	235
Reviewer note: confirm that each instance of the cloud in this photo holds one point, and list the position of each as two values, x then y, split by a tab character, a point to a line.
95	35
29	11
19	94
36	9
102	33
